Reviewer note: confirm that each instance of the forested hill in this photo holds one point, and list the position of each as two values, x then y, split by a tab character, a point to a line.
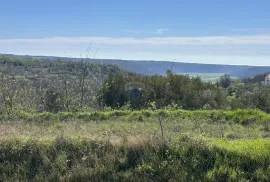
160	67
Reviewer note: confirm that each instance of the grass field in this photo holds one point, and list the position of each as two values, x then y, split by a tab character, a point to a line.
207	77
200	145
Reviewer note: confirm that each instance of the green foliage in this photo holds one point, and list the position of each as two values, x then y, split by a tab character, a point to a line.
151	128
57	152
31	85
188	159
53	100
240	116
113	92
225	81
188	93
54	86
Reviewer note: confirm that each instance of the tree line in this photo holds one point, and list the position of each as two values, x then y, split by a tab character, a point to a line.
55	86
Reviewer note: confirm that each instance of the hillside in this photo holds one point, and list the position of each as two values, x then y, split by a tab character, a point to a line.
43	81
160	67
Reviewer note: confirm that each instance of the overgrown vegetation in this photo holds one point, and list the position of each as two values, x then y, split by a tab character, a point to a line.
80	121
51	86
129	146
61	85
63	159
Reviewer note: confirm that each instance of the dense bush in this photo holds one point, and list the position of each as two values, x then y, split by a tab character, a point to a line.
188	93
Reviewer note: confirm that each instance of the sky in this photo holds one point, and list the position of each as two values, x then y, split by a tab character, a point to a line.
208	31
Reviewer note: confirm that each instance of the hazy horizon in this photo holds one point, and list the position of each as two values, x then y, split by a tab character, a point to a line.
174	61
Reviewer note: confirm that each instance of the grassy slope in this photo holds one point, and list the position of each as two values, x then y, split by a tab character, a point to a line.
127	146
207	77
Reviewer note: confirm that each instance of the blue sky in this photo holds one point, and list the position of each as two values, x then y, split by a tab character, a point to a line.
209	31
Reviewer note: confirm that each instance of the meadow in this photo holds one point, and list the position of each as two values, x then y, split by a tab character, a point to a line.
145	145
208	77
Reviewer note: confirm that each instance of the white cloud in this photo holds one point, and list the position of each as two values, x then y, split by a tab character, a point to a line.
152	41
253	49
161	31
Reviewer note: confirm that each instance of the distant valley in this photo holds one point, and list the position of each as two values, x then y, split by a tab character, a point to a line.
160	67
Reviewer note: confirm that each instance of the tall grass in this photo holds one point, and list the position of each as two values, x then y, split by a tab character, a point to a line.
120	145
77	159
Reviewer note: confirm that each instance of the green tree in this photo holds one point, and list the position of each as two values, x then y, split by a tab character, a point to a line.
113	91
225	80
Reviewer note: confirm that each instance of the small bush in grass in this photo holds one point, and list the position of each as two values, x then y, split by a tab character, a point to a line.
46	116
118	113
146	113
140	118
66	115
266	125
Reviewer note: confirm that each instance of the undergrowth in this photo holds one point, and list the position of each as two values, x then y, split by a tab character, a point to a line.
77	159
122	145
240	116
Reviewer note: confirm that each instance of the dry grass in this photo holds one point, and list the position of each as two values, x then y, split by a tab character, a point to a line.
117	130
119	148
